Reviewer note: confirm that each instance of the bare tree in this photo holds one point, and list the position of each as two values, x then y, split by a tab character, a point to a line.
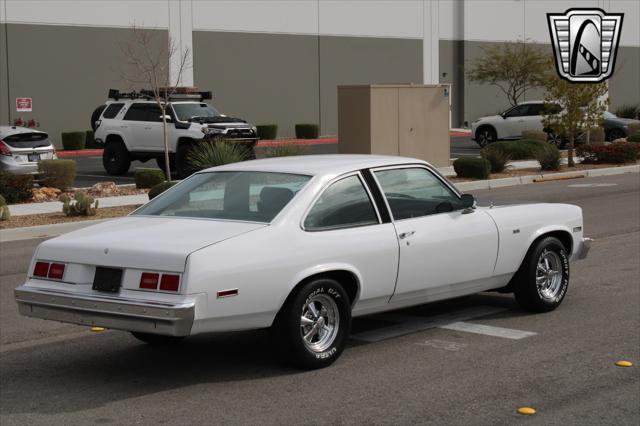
512	67
149	56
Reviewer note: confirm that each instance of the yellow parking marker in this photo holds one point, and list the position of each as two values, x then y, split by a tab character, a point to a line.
98	329
528	411
624	363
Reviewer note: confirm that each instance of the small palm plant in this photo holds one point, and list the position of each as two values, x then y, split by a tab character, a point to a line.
213	153
287	151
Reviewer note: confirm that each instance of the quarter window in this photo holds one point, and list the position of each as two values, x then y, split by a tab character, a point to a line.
112	110
344	204
416	192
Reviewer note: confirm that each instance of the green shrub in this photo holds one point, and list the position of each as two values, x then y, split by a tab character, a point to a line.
81	205
536	135
5	214
472	167
549	158
307	131
16	188
495	155
216	153
73	141
287	150
634	137
148	178
159	189
523	149
628	111
57	173
90	141
267	131
634	128
619	152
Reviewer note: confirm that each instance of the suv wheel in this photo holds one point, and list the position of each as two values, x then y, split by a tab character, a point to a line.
116	159
96	115
182	167
556	140
485	135
162	166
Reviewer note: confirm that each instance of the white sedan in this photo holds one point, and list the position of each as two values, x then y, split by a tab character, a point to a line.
300	245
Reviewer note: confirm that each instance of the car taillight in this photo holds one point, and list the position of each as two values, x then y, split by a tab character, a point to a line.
170	282
41	269
149	281
56	271
4	149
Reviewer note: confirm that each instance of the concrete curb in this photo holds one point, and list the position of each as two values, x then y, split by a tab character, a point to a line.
44	231
524	180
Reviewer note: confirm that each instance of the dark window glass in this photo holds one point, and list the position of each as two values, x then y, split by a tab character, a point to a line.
344	204
112	110
136	112
416	192
154	113
518	111
535	109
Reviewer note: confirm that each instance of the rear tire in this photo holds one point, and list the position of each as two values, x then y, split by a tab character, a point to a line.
95	116
543	278
157	339
116	160
182	166
485	135
312	327
161	164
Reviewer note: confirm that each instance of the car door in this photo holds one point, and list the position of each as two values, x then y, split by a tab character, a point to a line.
532	120
445	250
514	122
151	130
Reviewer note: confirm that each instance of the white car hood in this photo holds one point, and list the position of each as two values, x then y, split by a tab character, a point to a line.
144	242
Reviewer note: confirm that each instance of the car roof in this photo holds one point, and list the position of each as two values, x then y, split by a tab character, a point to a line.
531	102
332	164
14	130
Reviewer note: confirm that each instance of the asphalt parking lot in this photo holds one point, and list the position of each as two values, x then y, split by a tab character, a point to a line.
90	170
467	361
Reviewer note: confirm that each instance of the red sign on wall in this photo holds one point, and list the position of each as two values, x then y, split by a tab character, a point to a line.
24	104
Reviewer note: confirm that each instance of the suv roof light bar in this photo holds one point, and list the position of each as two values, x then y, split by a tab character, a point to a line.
115	94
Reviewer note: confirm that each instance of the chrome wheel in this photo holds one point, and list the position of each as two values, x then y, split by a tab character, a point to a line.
549	275
554	139
484	137
319	322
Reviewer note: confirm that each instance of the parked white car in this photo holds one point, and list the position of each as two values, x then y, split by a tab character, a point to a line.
21	148
511	123
300	245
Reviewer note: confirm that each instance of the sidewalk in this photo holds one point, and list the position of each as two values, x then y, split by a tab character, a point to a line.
126	200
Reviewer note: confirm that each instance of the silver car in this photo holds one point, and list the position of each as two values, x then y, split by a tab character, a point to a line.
21	148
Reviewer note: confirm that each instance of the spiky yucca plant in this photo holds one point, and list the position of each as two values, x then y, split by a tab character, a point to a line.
287	150
216	153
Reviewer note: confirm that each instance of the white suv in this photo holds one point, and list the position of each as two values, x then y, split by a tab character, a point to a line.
511	123
130	127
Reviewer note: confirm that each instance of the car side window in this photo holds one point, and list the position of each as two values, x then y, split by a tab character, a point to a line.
136	112
153	113
112	110
518	111
344	204
416	192
535	109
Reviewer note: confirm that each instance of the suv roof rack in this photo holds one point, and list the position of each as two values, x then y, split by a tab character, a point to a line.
115	94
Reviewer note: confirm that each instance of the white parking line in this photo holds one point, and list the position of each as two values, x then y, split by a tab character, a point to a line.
507	333
406	324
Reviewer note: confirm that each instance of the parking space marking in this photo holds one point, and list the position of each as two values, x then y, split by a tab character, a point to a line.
443	344
591	185
408	324
507	333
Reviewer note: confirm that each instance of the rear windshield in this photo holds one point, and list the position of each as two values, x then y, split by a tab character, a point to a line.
27	140
243	196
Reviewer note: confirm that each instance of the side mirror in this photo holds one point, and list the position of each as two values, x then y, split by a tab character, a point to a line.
167	118
468	201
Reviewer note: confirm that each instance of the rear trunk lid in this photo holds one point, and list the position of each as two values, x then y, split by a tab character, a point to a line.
142	242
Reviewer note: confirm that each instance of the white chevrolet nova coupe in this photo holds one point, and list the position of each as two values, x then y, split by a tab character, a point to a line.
300	245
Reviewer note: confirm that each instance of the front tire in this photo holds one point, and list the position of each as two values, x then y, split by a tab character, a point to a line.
183	166
543	279
116	159
157	339
485	135
313	325
555	139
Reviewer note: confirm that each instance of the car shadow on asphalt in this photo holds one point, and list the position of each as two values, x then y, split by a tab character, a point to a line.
102	368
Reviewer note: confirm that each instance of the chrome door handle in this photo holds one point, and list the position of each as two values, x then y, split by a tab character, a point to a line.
406	234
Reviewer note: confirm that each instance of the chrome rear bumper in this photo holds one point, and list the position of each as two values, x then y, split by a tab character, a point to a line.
106	311
584	248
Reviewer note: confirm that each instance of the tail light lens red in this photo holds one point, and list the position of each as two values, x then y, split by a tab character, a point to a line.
170	282
41	269
149	281
4	149
56	271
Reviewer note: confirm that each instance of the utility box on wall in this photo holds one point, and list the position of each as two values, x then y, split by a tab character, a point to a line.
406	120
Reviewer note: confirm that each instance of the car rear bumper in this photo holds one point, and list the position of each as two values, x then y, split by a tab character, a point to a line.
106	311
9	165
584	248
